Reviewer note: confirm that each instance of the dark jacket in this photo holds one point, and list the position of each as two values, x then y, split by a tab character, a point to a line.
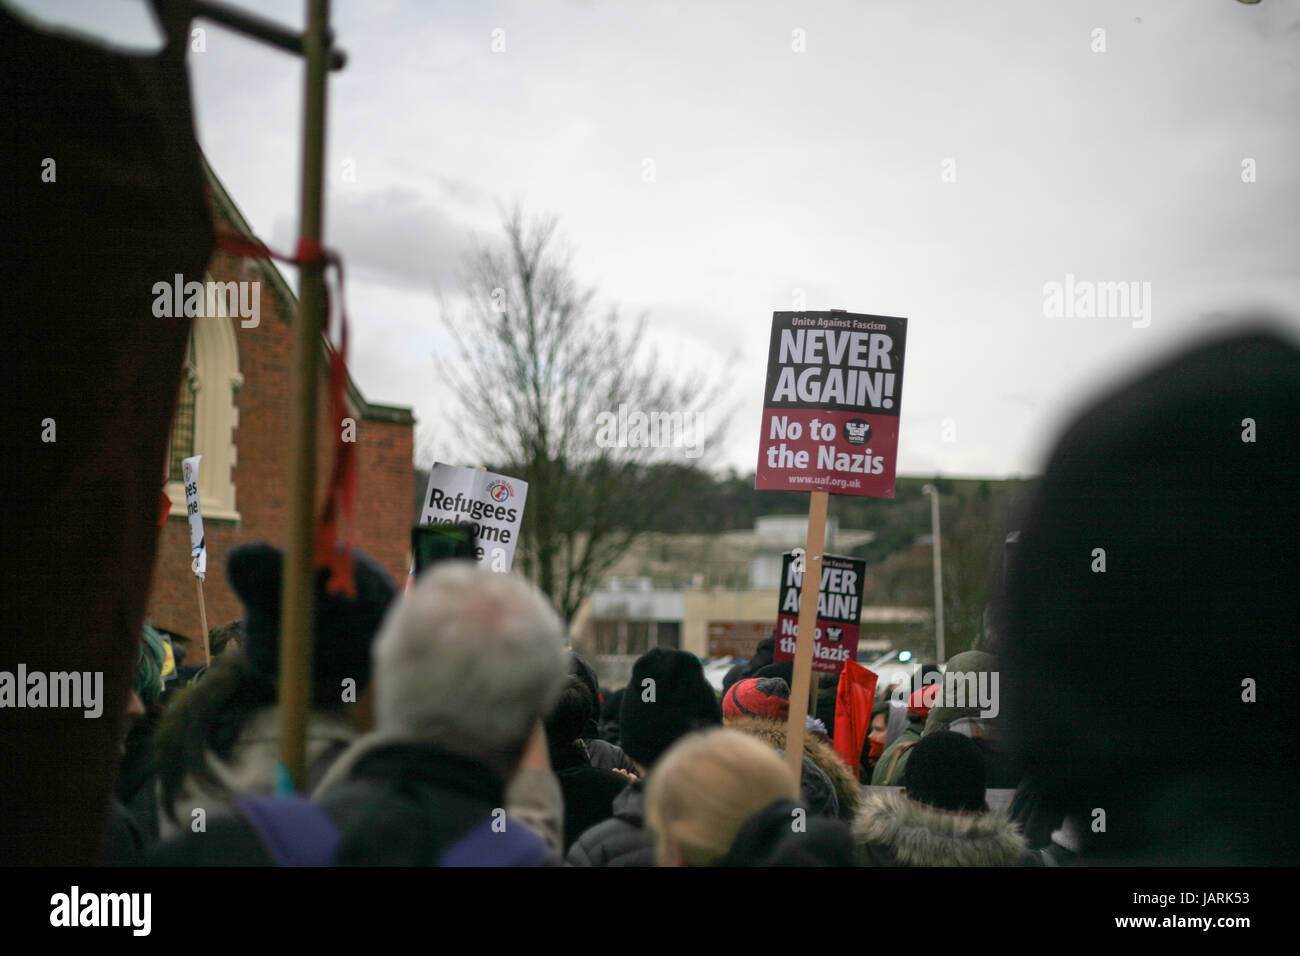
772	837
893	830
588	792
1036	817
402	805
136	781
587	674
607	756
621	840
124	844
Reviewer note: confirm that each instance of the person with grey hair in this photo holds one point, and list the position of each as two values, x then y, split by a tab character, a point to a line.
466	665
469	662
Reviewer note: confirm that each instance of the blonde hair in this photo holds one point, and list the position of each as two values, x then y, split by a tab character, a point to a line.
706	786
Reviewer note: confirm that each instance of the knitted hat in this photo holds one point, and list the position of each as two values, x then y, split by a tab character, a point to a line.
667	697
757	697
921	700
343	628
946	770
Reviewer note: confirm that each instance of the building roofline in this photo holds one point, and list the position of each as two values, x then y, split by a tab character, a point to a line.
397	414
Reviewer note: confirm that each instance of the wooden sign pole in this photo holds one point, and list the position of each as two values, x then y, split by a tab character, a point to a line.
299	556
203	620
803	652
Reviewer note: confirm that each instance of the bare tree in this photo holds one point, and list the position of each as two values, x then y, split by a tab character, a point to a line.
535	370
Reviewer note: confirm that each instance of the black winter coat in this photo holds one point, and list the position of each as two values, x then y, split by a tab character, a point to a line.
588	792
769	839
621	840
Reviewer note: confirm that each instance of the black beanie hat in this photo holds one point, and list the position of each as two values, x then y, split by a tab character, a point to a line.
783	671
343	628
682	701
1121	675
946	770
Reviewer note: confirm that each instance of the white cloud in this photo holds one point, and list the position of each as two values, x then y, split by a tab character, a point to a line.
820	170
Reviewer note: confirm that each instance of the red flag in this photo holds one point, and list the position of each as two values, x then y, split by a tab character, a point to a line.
853	699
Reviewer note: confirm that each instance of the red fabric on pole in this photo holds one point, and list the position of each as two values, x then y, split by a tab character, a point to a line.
853	699
333	549
334	532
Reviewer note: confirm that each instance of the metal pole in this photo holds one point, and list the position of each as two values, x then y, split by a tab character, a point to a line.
933	492
299	558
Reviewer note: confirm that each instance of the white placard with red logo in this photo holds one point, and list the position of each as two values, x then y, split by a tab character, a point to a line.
493	503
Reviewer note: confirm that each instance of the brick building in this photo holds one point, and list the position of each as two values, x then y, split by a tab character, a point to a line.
234	410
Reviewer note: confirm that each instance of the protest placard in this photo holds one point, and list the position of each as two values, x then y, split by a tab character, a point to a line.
839	611
831	409
198	546
831	404
492	503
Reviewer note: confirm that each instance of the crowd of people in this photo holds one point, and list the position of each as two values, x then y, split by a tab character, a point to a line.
453	724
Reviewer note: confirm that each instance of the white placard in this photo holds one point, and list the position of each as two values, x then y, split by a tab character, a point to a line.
198	546
493	503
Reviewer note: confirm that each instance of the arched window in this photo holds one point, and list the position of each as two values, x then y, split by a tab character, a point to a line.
206	416
181	444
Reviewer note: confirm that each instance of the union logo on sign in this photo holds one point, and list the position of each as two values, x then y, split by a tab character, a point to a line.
500	490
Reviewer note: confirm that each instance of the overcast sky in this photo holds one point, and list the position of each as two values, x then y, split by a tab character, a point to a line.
942	161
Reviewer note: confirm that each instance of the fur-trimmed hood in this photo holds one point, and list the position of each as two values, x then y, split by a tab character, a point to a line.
892	829
772	732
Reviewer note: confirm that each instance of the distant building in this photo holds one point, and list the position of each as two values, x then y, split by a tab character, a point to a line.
234	411
712	595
